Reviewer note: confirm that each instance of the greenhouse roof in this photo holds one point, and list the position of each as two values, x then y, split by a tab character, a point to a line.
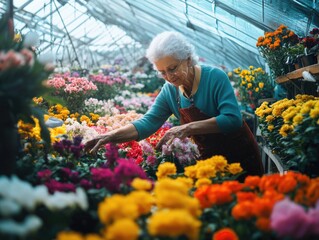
90	33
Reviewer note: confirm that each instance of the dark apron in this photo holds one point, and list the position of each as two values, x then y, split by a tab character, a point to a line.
240	146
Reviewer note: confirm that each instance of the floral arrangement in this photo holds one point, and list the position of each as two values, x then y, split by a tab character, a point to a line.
109	85
291	128
273	46
73	90
260	208
252	84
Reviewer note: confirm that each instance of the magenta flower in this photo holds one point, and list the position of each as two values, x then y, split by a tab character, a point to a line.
86	184
127	170
103	177
54	186
44	175
111	155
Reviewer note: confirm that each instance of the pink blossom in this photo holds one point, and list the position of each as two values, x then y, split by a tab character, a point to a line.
289	219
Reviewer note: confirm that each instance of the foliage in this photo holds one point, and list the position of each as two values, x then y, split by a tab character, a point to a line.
291	128
22	77
252	84
273	47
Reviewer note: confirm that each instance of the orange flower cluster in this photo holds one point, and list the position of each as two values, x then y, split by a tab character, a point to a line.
274	46
274	40
253	200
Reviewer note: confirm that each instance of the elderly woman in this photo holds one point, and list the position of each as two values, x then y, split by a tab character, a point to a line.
201	97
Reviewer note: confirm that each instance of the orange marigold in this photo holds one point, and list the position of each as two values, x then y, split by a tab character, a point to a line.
245	196
263	224
242	210
262	207
202	196
252	181
218	195
287	185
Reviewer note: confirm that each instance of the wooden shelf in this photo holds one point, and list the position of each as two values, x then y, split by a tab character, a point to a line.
297	74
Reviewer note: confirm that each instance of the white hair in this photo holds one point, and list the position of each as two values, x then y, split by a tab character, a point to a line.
170	43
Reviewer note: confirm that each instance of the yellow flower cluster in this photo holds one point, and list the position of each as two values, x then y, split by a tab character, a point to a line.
252	84
29	131
166	169
209	168
59	112
173	212
118	211
177	211
77	236
289	112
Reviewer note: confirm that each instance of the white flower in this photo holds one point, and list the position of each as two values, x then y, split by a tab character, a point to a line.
31	39
30	224
8	208
82	198
61	200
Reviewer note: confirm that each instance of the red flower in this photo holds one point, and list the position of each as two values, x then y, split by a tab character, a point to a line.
225	234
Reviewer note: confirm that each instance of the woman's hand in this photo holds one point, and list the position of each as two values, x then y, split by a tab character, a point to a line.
92	146
180	132
123	134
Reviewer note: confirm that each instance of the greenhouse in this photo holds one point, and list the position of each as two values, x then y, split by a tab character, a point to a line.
159	120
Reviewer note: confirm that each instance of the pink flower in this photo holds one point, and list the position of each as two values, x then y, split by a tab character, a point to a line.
289	219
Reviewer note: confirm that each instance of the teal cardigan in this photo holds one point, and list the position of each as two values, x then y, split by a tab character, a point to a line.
215	97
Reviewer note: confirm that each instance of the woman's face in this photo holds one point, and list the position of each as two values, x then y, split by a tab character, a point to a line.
172	70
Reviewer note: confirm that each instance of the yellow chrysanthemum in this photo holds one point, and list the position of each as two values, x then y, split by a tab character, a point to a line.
93	237
174	223
143	200
123	229
141	184
172	185
235	168
69	236
117	207
166	169
189	182
271	127
314	113
202	182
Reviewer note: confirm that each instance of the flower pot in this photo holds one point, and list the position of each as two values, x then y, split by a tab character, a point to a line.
308	60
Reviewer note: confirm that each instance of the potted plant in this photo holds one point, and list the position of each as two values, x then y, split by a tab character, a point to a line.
294	54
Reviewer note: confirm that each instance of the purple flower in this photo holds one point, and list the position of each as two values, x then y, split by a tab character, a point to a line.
151	160
77	140
289	219
76	150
